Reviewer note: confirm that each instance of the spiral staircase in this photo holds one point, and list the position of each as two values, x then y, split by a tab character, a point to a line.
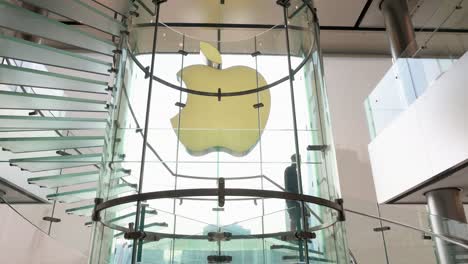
60	73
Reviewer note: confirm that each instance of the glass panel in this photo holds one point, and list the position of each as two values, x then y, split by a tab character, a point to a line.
71	178
9	123
86	194
57	162
41	26
405	245
35	78
19	145
82	13
87	210
12	100
29	51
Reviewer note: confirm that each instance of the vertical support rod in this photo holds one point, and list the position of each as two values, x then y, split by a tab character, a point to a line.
260	146
145	135
296	136
445	207
142	228
383	236
177	149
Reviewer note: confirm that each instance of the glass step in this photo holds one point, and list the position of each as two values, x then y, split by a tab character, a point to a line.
29	51
89	193
33	144
28	77
9	123
63	180
13	100
81	12
39	25
152	227
87	210
55	162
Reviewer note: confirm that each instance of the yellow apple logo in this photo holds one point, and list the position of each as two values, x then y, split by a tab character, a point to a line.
230	124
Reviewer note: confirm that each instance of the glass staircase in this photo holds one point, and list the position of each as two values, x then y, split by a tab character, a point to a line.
59	73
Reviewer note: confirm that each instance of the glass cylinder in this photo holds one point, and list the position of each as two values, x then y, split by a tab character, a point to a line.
223	127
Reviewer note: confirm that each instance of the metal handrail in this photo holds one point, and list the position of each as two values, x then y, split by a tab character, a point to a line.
445	238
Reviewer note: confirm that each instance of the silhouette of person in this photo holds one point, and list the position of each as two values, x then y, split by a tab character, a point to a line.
292	185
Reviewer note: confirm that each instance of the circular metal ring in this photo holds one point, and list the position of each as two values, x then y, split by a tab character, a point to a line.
215	192
239	93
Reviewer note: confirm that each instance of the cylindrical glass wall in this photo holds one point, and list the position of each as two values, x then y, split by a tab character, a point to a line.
224	125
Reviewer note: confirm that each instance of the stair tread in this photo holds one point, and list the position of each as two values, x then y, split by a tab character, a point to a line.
42	26
29	51
34	144
69	179
14	75
88	193
31	123
15	100
55	162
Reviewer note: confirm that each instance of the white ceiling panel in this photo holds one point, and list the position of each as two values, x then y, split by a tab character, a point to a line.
339	13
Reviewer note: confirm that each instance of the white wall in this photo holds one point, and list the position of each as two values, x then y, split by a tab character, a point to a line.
22	243
349	81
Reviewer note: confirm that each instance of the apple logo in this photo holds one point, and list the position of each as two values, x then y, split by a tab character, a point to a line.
230	124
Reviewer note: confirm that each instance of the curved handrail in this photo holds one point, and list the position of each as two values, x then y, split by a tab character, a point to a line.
443	237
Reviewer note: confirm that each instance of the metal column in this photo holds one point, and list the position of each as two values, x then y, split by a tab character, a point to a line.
399	28
445	205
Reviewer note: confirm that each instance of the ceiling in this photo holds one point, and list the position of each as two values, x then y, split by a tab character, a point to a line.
455	176
347	26
351	26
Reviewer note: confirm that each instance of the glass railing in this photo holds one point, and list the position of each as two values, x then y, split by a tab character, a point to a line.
403	234
414	72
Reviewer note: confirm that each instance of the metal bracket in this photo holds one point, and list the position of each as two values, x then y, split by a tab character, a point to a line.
179	104
219	94
317	147
303	235
117	51
33	113
426	237
62	153
255	54
221	192
284	3
147	72
96	216
219	236
381	229
140	235
217	209
51	219
182	52
341	216
259	105
219	259
111	70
